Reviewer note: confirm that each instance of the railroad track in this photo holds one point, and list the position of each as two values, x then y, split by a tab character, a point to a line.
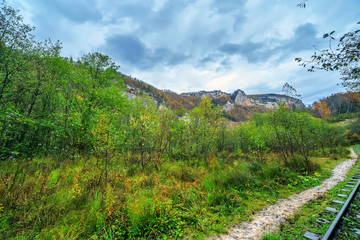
346	210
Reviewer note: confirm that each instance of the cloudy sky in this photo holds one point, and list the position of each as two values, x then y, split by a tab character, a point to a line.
191	45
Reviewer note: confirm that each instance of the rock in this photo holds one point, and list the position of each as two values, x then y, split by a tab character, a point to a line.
228	106
239	98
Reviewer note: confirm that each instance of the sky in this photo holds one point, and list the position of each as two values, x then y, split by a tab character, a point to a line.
192	45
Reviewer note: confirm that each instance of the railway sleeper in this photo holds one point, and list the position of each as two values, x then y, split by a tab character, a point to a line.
312	236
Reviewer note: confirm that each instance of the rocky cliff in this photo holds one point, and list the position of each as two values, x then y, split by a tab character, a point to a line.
239	98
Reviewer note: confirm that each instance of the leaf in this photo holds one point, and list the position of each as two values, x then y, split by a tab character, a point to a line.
325	35
332	33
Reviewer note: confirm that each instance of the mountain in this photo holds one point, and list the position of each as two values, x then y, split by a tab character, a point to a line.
239	98
237	106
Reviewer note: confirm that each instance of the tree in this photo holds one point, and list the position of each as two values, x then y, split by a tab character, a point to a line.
143	130
293	136
290	91
98	86
345	58
15	40
323	109
205	120
103	143
353	133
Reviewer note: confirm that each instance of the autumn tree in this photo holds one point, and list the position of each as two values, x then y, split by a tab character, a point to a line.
323	109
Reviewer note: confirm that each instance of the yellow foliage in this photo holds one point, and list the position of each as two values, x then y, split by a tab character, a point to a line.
76	189
323	108
109	200
4	181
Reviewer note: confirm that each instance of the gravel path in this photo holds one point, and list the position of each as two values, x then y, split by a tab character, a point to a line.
269	219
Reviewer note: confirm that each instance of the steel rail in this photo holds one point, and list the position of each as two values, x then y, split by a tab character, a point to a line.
334	226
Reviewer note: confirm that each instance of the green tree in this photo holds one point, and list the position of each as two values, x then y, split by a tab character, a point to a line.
204	124
97	86
293	137
15	40
353	133
143	129
104	140
327	136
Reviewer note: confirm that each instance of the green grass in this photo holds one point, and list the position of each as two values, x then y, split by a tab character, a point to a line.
351	221
357	149
46	199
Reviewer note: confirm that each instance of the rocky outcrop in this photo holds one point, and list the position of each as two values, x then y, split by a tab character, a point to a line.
272	100
239	98
228	107
212	94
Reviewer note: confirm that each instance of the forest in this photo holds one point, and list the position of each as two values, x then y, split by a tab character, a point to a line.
80	160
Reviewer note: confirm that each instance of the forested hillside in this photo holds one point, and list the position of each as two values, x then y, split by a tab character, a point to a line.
79	159
237	106
337	106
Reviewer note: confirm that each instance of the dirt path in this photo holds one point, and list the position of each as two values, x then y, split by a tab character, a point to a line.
269	219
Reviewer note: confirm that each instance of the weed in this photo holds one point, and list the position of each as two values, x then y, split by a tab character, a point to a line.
177	200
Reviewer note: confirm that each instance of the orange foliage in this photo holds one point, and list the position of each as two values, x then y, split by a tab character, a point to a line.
323	108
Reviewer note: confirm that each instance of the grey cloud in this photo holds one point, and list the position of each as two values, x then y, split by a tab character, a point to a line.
129	49
304	38
132	10
212	57
221	60
166	56
77	11
165	17
245	48
252	51
142	13
50	13
233	7
227	6
208	40
239	21
225	64
208	59
177	58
